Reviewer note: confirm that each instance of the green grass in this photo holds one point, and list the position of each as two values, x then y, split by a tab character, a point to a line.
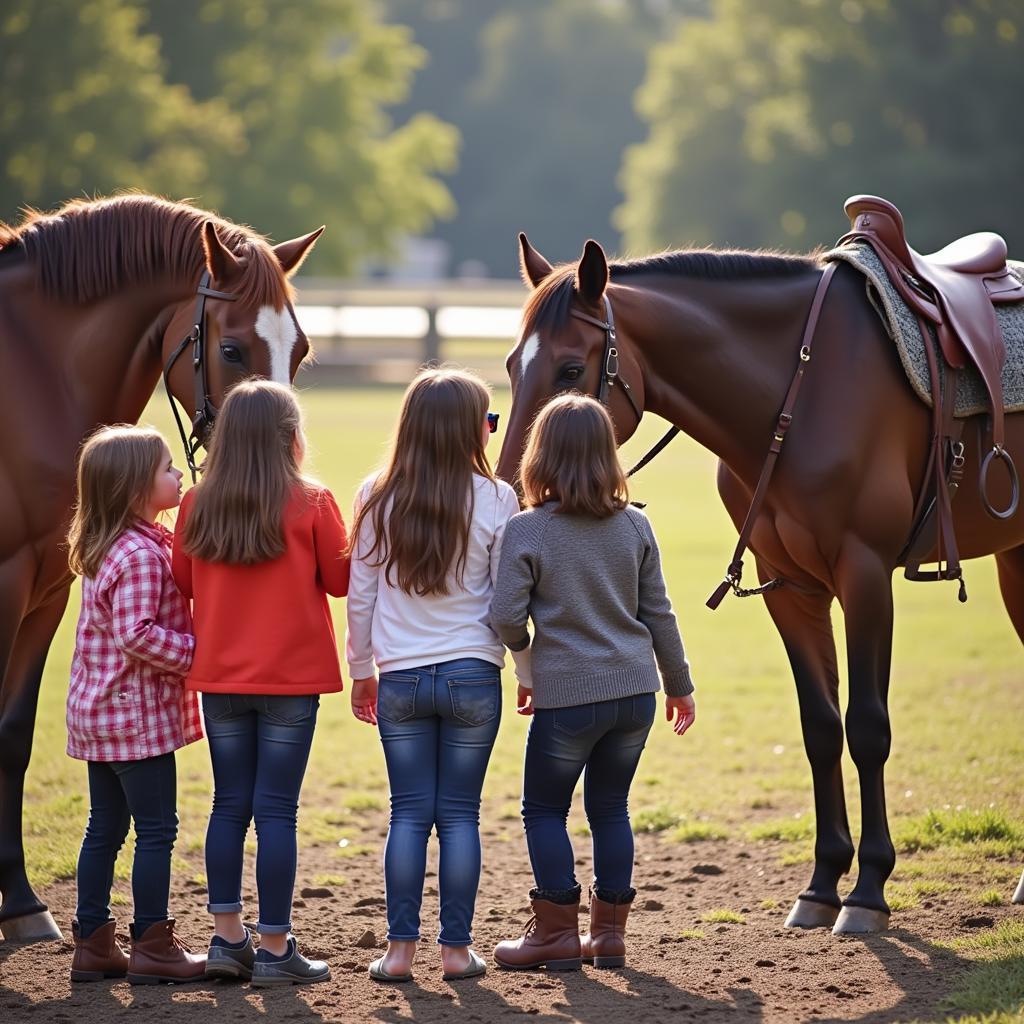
996	984
697	832
956	703
722	915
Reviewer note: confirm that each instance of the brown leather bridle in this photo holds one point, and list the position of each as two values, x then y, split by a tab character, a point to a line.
205	411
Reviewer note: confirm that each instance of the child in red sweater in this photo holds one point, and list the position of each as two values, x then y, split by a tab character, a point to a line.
258	548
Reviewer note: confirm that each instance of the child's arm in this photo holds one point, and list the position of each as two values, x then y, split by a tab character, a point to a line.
654	610
362	599
330	543
510	605
135	604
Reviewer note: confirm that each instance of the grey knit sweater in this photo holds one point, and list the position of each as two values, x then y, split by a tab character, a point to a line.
596	595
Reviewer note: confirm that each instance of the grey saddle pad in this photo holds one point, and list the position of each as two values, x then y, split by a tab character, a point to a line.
902	326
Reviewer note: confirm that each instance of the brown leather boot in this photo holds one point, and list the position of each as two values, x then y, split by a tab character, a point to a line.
159	955
605	944
552	940
98	956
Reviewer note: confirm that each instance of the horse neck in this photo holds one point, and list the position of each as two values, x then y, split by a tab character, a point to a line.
113	357
719	355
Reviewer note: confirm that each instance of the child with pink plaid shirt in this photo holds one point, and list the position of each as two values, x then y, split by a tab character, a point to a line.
127	710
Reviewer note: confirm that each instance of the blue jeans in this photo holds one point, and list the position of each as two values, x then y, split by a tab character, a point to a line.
121	791
605	740
437	724
259	746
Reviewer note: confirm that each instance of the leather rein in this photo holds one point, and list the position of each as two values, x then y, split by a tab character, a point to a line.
205	412
610	376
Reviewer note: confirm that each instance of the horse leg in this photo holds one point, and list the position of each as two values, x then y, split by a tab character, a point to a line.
804	623
1010	565
865	591
23	916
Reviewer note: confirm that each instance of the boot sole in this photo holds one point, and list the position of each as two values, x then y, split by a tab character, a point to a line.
95	975
608	961
161	979
228	971
575	964
279	982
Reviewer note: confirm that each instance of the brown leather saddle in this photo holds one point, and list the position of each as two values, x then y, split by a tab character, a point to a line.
951	291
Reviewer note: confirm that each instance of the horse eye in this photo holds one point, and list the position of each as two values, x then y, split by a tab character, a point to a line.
231	353
573	373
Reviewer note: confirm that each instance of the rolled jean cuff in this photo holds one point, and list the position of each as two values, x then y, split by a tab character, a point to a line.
273	929
616	896
392	937
468	941
224	908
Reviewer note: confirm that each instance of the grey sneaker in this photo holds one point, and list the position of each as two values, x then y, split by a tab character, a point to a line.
224	960
291	969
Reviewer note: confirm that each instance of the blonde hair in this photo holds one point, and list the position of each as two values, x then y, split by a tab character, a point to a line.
571	457
116	469
250	474
421	504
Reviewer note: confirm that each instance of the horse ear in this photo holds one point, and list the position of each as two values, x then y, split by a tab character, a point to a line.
592	273
291	254
222	263
532	266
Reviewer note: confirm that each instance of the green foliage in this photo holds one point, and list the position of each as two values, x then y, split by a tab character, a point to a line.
722	916
996	984
654	819
87	108
765	117
697	832
276	117
789	830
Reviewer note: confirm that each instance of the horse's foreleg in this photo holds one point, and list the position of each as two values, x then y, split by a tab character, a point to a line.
23	916
865	591
805	626
1011	584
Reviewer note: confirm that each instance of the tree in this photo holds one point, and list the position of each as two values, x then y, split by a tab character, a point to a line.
311	84
86	108
763	119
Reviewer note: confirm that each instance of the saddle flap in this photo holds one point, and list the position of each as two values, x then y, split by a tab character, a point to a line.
1004	287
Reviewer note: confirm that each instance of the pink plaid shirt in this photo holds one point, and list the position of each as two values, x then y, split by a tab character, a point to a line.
133	648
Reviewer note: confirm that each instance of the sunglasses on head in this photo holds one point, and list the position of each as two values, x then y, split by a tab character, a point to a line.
492	422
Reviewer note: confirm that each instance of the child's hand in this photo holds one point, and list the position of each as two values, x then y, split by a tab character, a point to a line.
364	699
524	700
683	709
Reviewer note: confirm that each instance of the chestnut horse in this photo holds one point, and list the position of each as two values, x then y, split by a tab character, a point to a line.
709	341
94	300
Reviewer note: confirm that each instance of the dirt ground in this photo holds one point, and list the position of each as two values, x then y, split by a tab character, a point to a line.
750	971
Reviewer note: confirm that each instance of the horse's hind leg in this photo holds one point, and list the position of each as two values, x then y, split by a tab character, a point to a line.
804	623
23	916
1011	583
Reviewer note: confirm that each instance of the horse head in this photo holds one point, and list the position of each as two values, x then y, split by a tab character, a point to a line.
240	324
570	339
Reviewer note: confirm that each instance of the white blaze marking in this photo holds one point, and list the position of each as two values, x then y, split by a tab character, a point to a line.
529	351
277	328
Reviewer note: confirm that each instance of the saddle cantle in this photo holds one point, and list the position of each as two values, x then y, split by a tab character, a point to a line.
953	289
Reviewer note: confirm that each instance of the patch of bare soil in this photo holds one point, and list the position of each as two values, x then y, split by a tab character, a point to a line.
751	971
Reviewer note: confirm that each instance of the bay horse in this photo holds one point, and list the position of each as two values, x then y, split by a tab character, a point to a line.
709	341
95	299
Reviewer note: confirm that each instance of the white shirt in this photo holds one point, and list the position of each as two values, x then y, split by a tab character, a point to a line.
397	630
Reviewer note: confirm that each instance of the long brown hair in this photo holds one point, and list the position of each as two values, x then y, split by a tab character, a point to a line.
421	504
116	469
571	458
250	474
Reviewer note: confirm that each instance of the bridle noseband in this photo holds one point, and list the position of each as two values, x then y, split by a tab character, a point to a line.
205	412
610	376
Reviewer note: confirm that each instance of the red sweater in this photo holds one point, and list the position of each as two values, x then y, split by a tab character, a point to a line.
266	628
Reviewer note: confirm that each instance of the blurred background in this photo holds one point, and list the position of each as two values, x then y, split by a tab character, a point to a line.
426	133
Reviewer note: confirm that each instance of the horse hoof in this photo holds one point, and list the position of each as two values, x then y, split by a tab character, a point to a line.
860	920
39	927
1018	896
808	914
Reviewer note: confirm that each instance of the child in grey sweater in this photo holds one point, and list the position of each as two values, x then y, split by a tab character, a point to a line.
584	566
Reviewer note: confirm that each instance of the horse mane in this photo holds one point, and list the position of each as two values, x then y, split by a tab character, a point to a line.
90	248
549	303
